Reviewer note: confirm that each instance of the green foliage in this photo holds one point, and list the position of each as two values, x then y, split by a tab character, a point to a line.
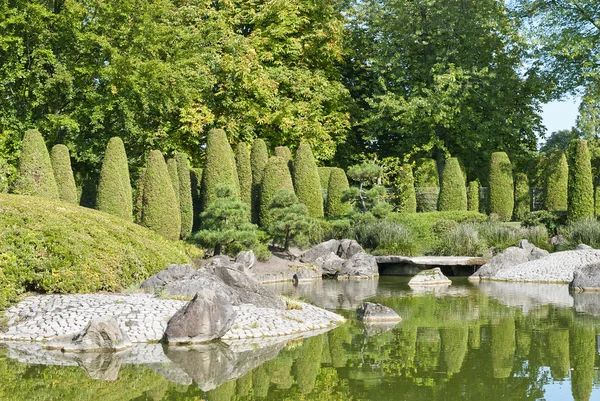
160	209
522	197
550	220
306	181
55	247
219	167
196	184
114	187
405	187
324	173
596	202
453	192
35	176
500	236
186	201
586	231
460	240
174	175
258	162
473	196
276	177
365	199
503	346
454	347
338	185
285	153
557	184
427	183
582	345
289	219
501	186
244	171
226	223
384	237
63	173
581	189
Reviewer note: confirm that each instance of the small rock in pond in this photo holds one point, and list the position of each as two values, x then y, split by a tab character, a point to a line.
586	278
429	277
372	312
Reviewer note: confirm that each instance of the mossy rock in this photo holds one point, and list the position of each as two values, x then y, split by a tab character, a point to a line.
453	192
501	186
63	173
276	177
114	194
306	181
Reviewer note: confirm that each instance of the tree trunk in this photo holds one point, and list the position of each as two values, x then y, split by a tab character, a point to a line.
217	249
288	235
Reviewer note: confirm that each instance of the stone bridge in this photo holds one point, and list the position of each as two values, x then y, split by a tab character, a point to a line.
391	265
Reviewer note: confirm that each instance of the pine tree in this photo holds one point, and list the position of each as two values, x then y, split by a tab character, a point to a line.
258	162
276	177
172	167
219	167
557	185
581	189
186	201
427	185
501	186
35	175
338	185
473	196
289	219
114	187
522	197
453	192
63	173
306	181
244	171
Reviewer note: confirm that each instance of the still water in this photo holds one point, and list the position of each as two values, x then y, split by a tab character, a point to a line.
492	341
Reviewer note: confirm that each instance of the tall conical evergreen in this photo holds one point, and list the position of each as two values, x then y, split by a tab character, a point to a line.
63	173
306	181
453	192
581	189
196	178
522	197
35	175
219	167
407	201
338	184
501	186
557	185
186	202
284	152
596	202
160	210
258	162
473	196
114	187
324	174
276	177
427	183
244	171
172	167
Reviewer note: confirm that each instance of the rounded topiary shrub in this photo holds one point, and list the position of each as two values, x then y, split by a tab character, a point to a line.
522	197
501	186
473	196
557	185
63	173
186	201
172	167
114	187
35	175
259	157
284	152
219	167
276	177
324	174
453	192
581	189
306	181
160	210
244	171
338	184
427	183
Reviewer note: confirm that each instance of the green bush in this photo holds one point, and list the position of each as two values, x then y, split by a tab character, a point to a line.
427	183
453	192
160	210
196	184
35	176
174	175
522	197
550	220
306	181
219	167
258	162
461	240
406	197
244	171
276	177
581	189
114	194
557	184
586	231
596	202
338	185
500	236
324	173
473	196
186	201
63	173
285	153
54	247
289	220
384	237
501	186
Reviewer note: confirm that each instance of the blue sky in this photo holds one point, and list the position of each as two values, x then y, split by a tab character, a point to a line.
559	115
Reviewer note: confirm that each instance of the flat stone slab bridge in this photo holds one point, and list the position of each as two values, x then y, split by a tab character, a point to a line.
393	265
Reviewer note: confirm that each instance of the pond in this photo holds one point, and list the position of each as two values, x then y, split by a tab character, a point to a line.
488	341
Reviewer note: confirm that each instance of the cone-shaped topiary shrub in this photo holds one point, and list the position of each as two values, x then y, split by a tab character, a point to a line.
35	175
557	185
306	181
244	171
581	189
276	177
196	178
522	197
186	202
63	173
114	187
324	173
160	210
473	196
338	184
501	186
258	161
407	201
284	152
597	202
172	167
427	183
219	167
453	192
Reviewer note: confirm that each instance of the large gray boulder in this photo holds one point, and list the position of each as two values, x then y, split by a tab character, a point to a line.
359	266
372	312
586	278
317	251
171	273
348	248
248	289
102	334
205	318
305	274
510	257
246	259
330	264
429	277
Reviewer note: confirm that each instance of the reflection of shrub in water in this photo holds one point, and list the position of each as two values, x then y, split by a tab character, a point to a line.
503	347
454	347
582	347
308	363
558	353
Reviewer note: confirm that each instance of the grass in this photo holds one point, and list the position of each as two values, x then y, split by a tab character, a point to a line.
48	246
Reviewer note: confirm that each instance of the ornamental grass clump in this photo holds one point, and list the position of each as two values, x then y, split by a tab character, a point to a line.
276	177
522	197
580	204
384	237
258	162
114	194
244	171
186	201
219	167
501	186
338	185
585	231
461	240
453	192
63	173
557	185
307	184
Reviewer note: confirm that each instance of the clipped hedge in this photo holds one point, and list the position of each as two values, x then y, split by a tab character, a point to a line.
63	173
35	175
501	186
324	174
522	197
557	185
427	183
173	174
453	192
186	201
276	177
284	152
407	200
244	171
219	167
338	184
259	157
581	189
160	209
306	181
473	196
114	194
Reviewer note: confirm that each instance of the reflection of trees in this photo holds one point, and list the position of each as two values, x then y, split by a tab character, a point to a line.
308	363
244	385
582	346
280	371
427	350
454	347
475	336
503	347
223	393
337	340
401	360
558	352
260	382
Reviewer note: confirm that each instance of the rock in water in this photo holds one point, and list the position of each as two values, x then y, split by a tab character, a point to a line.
429	277
359	266
371	312
586	278
330	264
101	334
205	318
